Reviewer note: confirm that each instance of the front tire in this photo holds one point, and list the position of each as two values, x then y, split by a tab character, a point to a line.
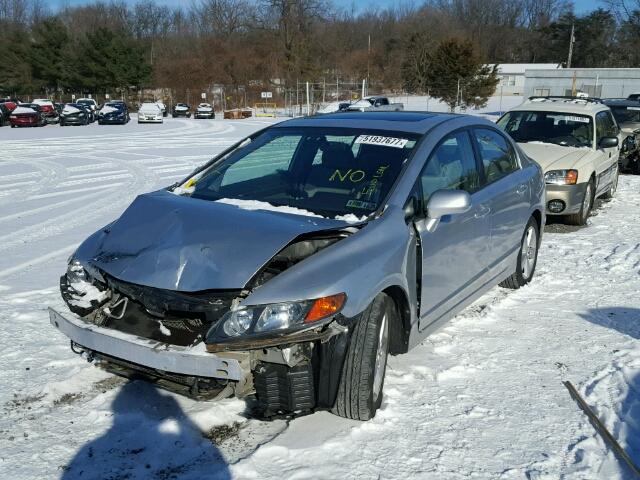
527	257
360	389
580	218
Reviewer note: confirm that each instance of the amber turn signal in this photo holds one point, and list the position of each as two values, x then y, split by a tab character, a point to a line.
325	307
572	177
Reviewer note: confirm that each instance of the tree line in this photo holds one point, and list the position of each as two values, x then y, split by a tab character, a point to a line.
434	46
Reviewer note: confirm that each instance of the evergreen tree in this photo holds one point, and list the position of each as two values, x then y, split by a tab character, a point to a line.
453	72
49	55
15	70
110	60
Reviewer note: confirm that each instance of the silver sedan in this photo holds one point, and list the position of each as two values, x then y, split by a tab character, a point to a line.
291	265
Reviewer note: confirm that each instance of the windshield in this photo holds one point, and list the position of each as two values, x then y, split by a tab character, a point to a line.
626	114
566	129
327	171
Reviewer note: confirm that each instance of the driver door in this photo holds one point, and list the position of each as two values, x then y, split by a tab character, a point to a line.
455	254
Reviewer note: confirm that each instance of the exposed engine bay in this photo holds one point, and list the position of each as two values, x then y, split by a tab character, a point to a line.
281	372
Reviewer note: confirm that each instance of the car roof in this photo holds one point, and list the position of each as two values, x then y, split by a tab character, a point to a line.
585	106
410	122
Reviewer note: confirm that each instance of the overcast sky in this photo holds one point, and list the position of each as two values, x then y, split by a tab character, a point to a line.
581	6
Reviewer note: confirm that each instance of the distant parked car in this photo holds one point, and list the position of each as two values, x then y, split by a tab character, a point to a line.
181	110
75	114
204	110
27	115
90	102
375	103
10	103
634	96
575	140
627	114
334	107
114	113
149	113
4	115
48	109
163	108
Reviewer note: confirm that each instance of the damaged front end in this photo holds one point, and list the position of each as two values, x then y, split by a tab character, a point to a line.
209	344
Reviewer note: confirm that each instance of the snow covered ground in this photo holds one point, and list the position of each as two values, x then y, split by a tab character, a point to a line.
483	398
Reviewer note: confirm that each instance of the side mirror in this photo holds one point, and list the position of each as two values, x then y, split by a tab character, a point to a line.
446	202
608	142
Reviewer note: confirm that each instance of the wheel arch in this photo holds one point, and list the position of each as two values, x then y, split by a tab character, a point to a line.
401	326
537	215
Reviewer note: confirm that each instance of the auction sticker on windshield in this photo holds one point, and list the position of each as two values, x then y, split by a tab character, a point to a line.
572	118
385	141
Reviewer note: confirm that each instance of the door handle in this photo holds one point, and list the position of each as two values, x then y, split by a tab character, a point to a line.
482	211
522	188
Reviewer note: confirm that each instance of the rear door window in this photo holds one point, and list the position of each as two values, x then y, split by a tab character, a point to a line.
451	166
498	158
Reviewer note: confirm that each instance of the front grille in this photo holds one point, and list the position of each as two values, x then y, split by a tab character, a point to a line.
178	318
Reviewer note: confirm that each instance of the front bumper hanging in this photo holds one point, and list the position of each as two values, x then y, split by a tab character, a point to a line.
195	361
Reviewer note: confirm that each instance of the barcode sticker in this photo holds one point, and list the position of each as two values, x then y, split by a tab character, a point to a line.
384	141
573	118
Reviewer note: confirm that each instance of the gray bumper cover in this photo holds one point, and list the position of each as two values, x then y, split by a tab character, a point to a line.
571	195
194	361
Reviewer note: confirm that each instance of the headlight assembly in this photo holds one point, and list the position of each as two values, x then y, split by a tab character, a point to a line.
276	317
76	272
561	177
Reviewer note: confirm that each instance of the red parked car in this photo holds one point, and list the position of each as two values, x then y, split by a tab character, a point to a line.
10	103
48	109
27	115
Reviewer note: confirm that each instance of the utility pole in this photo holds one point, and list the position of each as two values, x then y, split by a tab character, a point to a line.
572	39
457	95
368	55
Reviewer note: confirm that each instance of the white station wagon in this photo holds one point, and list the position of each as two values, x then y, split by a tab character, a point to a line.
576	141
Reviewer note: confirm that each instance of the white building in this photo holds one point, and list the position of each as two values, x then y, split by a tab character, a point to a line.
595	82
512	76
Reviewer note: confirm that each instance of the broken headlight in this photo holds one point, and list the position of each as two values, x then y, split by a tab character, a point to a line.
76	272
276	317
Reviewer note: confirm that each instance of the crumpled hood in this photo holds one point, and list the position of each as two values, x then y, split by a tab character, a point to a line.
179	243
554	157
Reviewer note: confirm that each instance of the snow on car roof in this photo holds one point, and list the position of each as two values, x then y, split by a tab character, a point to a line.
586	106
23	109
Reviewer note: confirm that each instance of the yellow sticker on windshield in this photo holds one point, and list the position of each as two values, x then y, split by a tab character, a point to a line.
384	141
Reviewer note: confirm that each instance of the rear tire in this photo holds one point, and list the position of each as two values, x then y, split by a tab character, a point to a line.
362	379
527	257
580	218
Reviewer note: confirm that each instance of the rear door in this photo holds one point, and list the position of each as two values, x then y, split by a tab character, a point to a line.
607	158
508	191
454	255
